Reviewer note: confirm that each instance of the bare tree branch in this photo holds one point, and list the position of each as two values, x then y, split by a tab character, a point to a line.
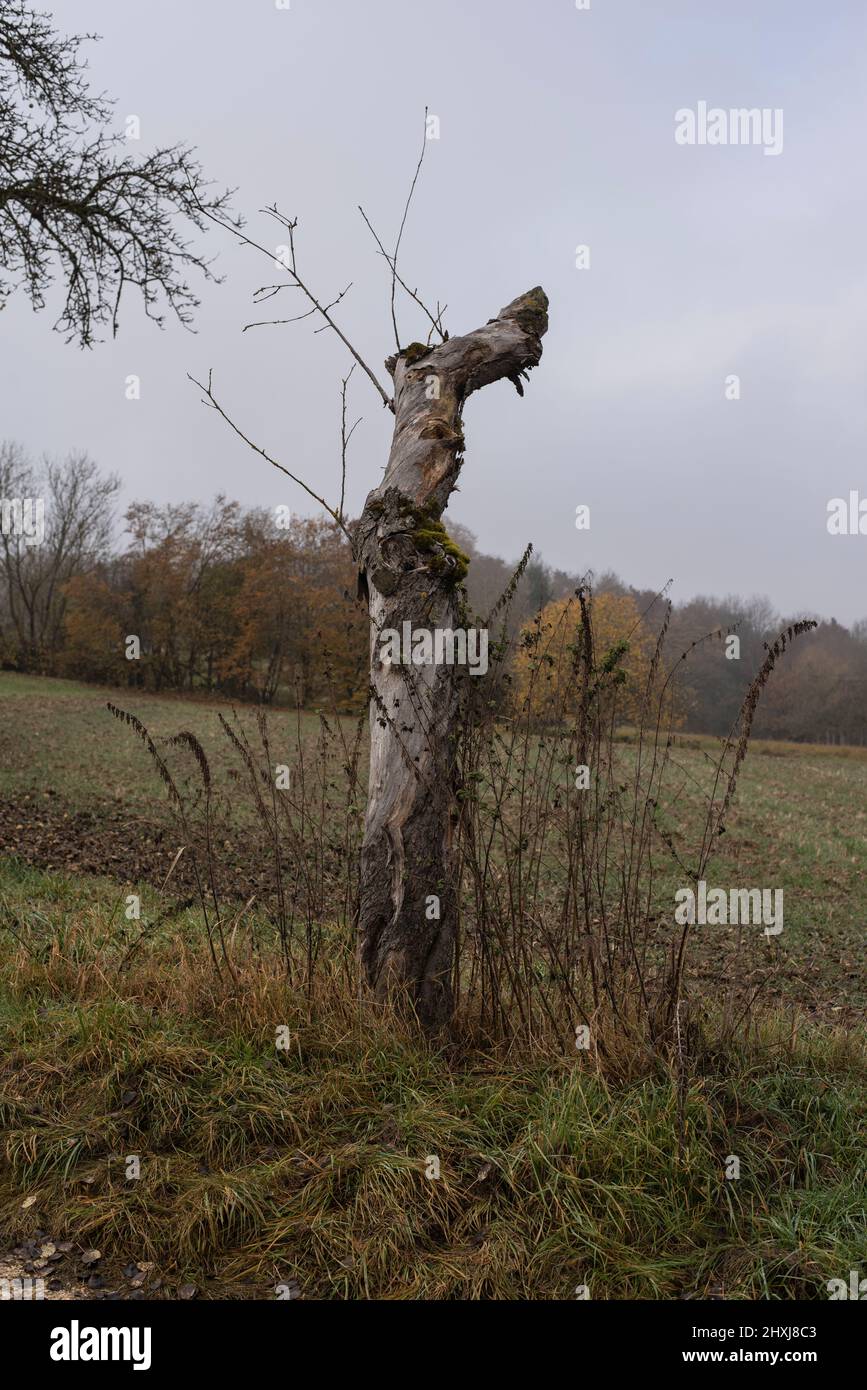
403	225
211	400
298	283
345	437
436	320
73	201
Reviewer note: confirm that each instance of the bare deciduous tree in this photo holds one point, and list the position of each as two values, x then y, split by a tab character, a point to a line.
72	200
78	511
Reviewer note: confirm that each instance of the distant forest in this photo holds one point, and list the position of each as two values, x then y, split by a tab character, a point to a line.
259	605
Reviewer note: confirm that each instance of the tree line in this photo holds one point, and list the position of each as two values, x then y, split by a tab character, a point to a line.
256	604
217	598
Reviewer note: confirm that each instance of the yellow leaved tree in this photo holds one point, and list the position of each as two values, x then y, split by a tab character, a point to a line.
552	654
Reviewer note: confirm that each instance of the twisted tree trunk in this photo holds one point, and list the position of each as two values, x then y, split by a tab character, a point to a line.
411	573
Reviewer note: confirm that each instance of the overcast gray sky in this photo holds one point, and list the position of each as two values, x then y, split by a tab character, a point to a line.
557	129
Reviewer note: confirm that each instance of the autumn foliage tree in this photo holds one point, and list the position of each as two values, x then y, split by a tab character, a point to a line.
220	599
544	683
296	623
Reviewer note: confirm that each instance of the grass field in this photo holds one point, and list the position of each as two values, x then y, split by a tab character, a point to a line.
260	1169
81	788
307	1167
57	739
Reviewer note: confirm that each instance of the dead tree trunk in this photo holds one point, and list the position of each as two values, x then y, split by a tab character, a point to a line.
411	573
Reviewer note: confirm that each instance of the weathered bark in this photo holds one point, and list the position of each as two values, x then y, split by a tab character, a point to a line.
411	573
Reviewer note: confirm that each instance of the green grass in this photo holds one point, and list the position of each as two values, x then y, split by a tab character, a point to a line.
259	1167
799	821
58	738
15	687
